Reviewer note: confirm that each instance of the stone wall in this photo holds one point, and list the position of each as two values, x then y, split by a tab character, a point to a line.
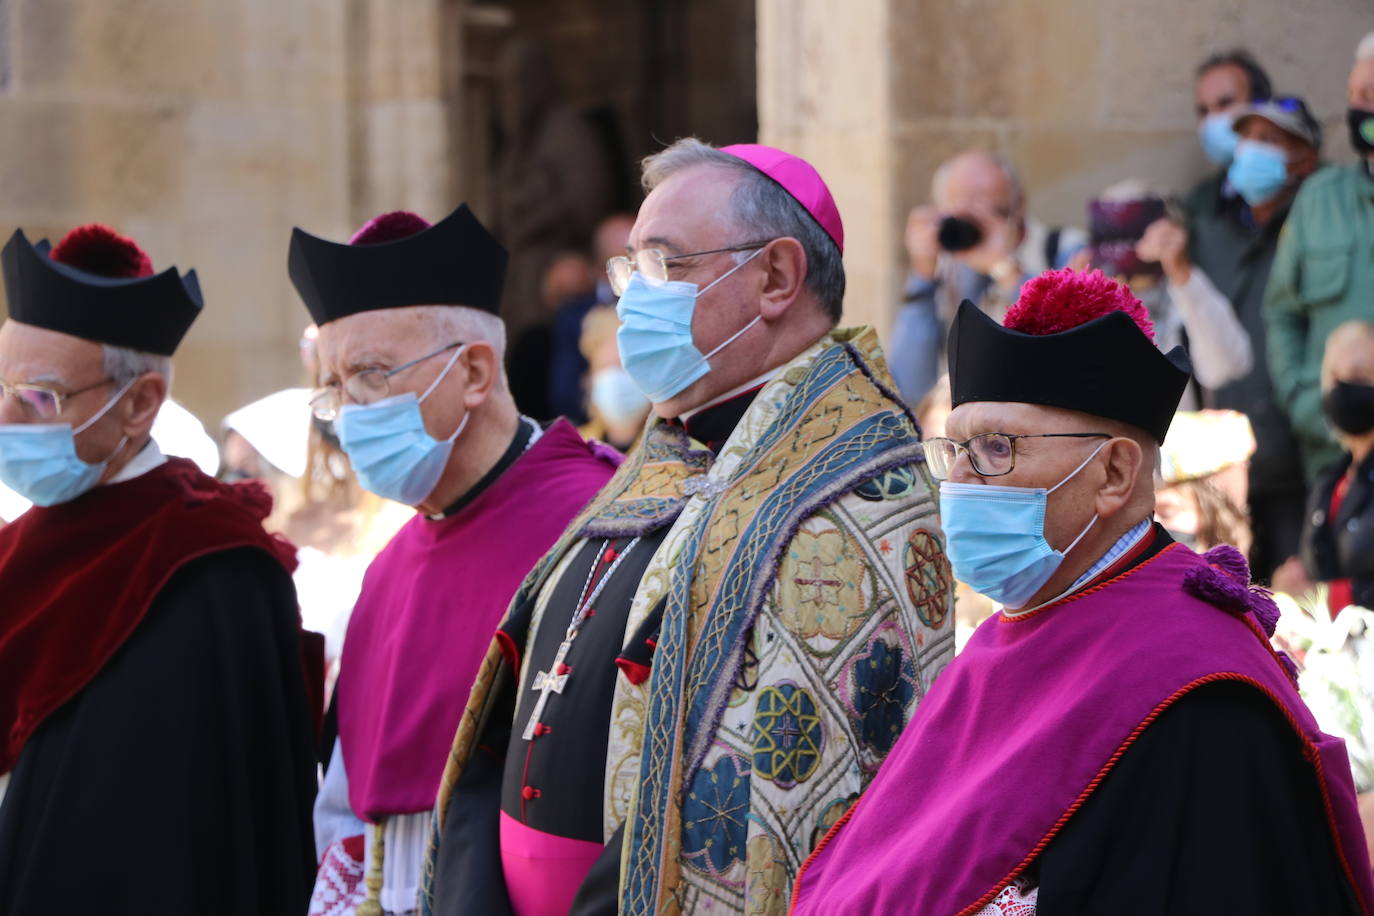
1080	93
207	129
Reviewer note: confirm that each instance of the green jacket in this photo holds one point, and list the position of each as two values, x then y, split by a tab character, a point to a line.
1323	275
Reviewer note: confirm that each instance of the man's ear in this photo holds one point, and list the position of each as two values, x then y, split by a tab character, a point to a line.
482	368
784	265
1124	458
142	402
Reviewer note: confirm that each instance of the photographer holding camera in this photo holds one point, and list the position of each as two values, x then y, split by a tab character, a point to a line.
974	242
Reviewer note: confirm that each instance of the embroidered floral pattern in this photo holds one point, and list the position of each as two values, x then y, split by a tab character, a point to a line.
787	735
822	582
715	815
766	884
895	484
928	579
884	685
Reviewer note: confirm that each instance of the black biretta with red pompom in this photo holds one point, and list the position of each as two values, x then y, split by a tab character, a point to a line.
99	286
398	260
1073	340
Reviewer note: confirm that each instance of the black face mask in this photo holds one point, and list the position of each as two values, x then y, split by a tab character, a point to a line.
1350	407
1361	130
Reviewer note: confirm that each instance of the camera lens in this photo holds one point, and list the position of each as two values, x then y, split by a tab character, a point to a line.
959	234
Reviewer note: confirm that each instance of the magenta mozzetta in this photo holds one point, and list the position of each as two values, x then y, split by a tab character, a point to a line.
983	819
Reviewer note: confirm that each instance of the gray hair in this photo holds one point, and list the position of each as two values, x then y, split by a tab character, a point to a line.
123	365
1018	190
1365	49
760	205
459	322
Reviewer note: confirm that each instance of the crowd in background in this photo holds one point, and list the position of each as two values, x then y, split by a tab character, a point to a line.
1264	270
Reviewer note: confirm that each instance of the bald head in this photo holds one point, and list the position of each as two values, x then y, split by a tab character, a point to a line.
978	179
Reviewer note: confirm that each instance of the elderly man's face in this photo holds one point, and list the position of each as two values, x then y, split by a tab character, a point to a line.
1221	89
690	212
65	364
976	186
385	339
1039	462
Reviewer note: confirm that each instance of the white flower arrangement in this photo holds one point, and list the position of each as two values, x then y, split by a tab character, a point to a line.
1335	659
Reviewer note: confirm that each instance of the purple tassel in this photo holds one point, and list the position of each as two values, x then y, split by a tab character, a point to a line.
1230	561
1225	583
1217	588
1288	665
1265	611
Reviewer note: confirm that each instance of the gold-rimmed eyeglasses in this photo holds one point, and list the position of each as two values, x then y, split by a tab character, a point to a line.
367	386
41	402
653	263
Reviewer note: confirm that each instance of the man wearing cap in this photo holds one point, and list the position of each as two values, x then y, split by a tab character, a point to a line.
724	646
1231	242
411	354
1120	737
156	738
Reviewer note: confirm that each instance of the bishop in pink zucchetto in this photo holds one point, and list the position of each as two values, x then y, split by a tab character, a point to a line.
743	620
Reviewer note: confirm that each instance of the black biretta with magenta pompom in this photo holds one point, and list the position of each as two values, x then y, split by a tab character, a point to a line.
100	286
1074	340
396	260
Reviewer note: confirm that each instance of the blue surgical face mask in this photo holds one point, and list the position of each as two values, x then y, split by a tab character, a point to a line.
1218	139
995	537
39	462
1259	171
392	453
655	336
616	396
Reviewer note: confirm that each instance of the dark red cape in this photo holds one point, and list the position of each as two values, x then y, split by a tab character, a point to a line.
76	579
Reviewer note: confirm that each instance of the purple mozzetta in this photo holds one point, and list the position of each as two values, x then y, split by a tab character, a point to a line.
429	605
1021	729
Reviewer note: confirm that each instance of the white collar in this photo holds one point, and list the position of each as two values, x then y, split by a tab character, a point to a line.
149	457
755	382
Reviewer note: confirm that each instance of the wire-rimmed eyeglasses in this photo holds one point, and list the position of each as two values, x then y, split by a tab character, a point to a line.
991	454
365	387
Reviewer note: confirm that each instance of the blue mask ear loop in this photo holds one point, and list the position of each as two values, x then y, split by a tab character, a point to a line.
735	336
100	413
467	415
1074	473
1067	550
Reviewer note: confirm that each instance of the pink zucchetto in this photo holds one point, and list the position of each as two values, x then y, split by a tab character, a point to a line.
798	178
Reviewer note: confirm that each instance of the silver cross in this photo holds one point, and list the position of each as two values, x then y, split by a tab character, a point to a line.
545	683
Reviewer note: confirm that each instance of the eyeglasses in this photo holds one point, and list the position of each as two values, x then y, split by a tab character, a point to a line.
366	387
41	402
991	454
653	263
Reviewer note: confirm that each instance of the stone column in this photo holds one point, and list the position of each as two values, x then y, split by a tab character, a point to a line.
825	93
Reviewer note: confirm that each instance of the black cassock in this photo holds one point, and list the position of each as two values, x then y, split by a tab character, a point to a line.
1213	810
180	780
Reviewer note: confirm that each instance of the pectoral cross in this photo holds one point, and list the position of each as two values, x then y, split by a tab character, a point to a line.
547	682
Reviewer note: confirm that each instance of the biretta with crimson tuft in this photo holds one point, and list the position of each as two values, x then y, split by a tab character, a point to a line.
100	286
798	178
396	260
1075	340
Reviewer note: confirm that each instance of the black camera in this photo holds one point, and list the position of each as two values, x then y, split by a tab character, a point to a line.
959	234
